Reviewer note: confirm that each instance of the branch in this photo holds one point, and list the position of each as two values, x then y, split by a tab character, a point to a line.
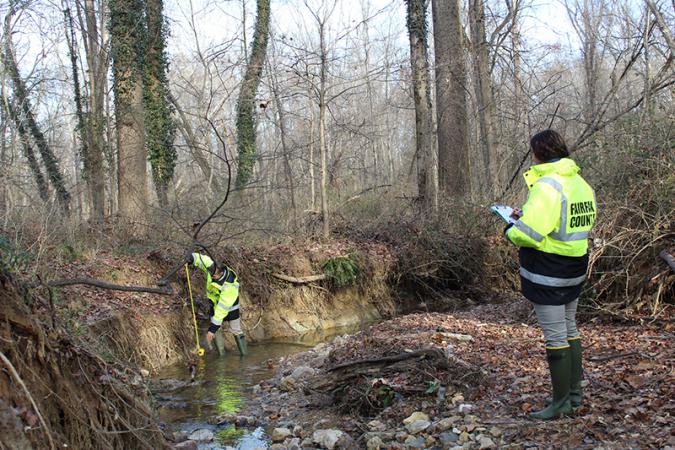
665	31
165	280
391	359
163	289
609	357
354	197
527	154
300	280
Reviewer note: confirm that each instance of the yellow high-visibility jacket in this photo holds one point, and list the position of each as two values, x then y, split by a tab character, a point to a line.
223	292
553	232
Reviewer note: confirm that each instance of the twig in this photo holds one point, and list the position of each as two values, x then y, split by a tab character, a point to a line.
610	357
522	161
165	279
18	379
389	359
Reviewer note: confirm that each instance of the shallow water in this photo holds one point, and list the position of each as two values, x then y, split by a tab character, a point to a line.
222	385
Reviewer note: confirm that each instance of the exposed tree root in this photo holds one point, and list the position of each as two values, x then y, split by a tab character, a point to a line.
56	394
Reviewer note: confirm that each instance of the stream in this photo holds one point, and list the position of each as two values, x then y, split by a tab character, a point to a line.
223	384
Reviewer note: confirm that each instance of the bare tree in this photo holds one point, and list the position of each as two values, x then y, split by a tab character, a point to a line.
427	167
485	105
451	112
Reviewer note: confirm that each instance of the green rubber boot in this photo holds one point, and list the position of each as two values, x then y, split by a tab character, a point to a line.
559	366
240	339
576	373
220	342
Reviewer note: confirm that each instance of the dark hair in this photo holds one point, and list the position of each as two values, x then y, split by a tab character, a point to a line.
213	268
547	145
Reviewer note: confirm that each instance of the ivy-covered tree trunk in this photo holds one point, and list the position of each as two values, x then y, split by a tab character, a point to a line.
91	170
453	148
127	29
427	179
246	123
159	126
24	118
29	153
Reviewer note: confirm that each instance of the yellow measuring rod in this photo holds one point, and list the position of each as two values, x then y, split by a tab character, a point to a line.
200	351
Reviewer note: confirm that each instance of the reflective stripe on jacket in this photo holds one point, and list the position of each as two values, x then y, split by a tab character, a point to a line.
559	212
223	292
553	232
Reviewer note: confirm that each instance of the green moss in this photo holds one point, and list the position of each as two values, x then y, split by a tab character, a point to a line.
342	270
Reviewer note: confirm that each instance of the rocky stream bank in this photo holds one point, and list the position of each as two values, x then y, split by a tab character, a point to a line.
463	381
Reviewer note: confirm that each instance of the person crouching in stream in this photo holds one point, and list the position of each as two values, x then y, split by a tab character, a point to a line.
222	288
552	234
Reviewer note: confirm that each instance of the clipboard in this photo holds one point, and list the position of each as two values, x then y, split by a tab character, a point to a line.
503	212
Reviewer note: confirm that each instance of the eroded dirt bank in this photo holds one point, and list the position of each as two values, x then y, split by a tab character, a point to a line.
151	331
468	380
54	393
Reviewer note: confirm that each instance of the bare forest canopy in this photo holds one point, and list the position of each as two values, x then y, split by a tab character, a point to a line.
154	111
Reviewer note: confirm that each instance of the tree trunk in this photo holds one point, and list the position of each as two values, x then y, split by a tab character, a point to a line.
127	35
95	187
322	132
246	105
97	69
425	153
283	133
29	153
312	184
453	149
490	179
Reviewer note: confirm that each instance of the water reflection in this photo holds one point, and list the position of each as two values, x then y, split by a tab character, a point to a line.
222	384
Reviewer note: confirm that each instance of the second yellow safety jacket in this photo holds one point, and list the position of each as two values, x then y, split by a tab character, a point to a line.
223	292
553	232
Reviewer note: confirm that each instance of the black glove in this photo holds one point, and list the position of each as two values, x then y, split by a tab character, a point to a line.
507	229
189	259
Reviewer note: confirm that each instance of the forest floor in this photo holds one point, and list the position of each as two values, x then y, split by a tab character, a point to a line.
471	378
430	380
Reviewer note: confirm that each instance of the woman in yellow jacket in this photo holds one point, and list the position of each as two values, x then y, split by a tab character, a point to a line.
552	234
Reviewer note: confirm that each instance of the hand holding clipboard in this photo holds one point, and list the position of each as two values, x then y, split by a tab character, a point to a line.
506	213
